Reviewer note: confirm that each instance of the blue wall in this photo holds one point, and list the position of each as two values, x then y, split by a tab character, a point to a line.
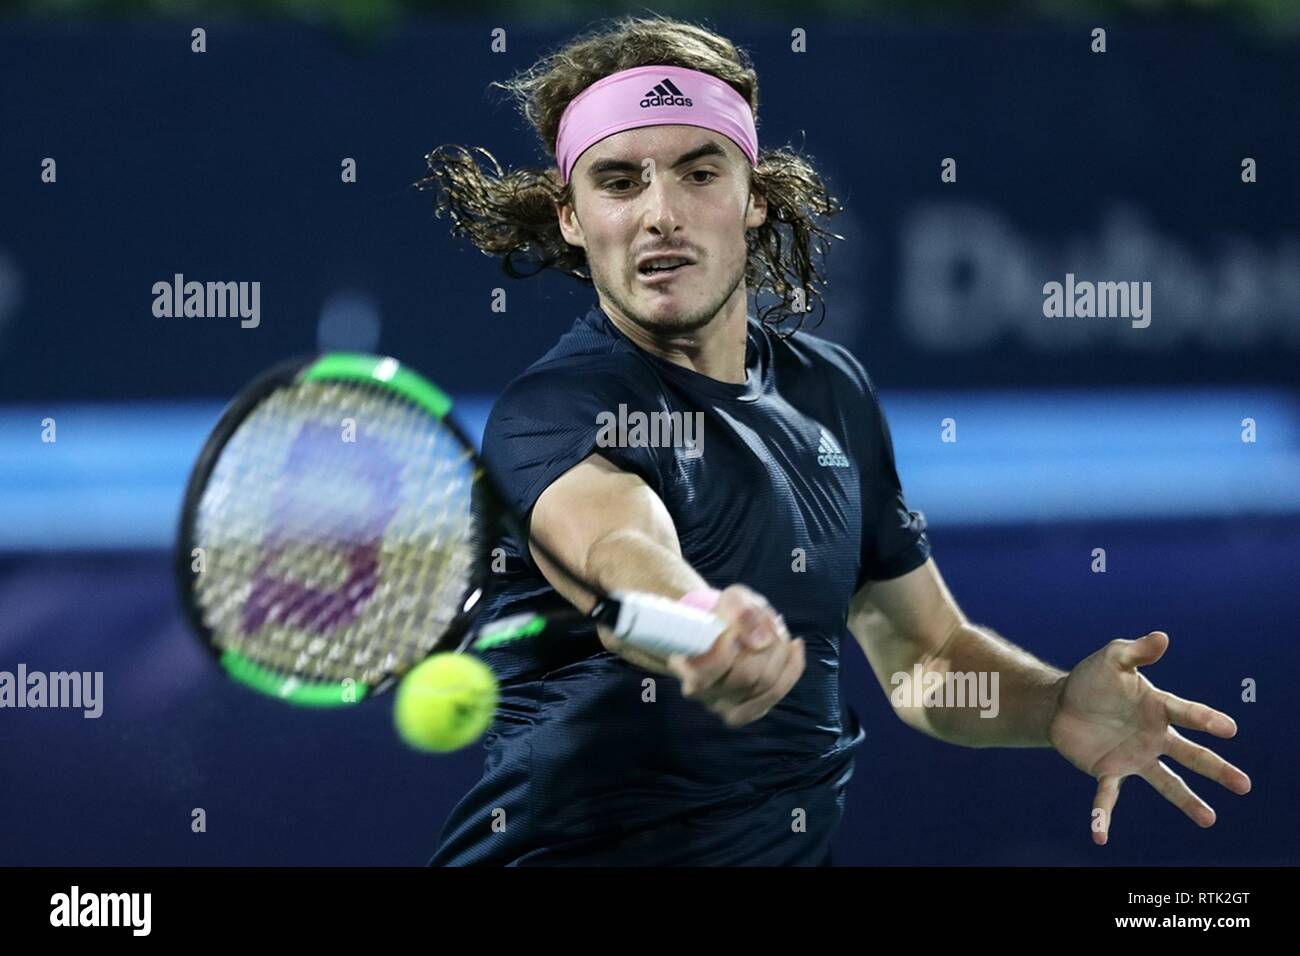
225	166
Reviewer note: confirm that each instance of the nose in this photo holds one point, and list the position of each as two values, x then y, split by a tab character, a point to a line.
660	205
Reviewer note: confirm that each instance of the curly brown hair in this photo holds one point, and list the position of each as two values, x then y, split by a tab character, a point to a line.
512	214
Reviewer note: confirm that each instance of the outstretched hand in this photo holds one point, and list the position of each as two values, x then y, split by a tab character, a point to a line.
1111	722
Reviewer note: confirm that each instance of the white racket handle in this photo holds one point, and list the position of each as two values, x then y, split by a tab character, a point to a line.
663	626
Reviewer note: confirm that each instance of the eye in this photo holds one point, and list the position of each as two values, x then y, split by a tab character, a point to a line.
704	172
609	186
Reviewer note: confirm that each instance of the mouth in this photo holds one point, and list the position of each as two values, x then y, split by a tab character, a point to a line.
660	269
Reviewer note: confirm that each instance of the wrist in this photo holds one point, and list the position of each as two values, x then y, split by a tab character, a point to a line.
1056	696
702	599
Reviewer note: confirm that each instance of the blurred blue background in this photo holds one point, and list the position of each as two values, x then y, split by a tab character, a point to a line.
1073	434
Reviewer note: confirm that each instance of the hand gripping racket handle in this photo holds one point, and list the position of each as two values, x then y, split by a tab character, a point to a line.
662	626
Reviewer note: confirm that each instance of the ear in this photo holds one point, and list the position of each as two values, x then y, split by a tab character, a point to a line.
756	211
570	227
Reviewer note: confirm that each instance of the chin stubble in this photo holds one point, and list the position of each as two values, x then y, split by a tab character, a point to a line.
694	323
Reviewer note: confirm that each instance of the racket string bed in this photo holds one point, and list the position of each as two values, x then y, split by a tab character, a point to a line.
344	539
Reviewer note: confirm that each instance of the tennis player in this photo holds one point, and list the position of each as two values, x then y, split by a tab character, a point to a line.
672	442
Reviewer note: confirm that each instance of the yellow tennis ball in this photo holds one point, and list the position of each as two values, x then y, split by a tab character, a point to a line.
446	702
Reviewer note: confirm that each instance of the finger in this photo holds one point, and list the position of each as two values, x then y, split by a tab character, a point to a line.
792	669
680	665
705	670
743	681
1103	805
1171	786
1205	762
738	599
754	674
758	629
1194	716
752	677
1145	650
644	660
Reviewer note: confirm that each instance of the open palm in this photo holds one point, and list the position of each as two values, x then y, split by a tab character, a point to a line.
1113	723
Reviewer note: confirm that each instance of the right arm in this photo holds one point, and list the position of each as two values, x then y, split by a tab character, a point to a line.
610	527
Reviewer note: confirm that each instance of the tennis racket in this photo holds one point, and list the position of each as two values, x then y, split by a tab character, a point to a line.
337	529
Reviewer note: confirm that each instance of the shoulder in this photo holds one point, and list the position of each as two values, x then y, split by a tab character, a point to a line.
586	371
822	357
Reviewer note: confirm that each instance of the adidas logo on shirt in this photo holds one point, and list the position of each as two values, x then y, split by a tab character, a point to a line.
665	94
829	454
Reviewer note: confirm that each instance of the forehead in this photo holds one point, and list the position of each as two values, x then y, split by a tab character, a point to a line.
664	144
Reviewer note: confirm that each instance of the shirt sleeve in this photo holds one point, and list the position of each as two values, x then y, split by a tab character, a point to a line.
551	419
894	539
893	536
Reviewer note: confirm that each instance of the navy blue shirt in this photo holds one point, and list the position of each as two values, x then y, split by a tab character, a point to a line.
790	489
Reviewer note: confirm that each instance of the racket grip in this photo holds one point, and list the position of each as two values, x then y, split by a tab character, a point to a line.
663	626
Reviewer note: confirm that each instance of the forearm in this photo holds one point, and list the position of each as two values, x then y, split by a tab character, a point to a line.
615	534
630	560
634	561
980	690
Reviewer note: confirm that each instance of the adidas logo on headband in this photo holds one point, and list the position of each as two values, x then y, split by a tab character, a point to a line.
665	94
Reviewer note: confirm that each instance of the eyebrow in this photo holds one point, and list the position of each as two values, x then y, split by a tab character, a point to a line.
626	165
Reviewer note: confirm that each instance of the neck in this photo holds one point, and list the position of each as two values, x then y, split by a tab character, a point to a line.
716	349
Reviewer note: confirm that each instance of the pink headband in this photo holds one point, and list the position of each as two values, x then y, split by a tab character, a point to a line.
652	96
